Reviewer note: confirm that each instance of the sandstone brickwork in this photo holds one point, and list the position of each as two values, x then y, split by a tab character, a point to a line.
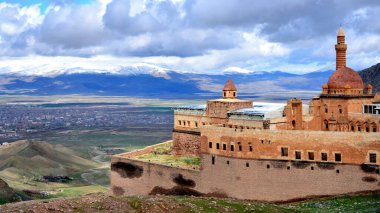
186	143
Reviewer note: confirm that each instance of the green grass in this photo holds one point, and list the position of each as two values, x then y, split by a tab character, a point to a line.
364	203
215	205
162	155
135	202
357	203
78	191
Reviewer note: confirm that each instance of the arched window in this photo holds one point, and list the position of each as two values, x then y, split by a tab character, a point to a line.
234	94
374	127
293	123
340	109
365	127
357	126
326	125
352	127
326	109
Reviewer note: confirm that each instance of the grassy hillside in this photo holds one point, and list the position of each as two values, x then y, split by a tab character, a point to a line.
104	203
23	162
7	194
371	75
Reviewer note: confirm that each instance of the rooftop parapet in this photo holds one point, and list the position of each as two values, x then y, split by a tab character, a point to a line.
190	109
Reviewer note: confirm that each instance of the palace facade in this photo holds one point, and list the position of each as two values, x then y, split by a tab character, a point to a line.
331	148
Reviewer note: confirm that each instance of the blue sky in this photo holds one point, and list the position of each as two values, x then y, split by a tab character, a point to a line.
45	3
200	36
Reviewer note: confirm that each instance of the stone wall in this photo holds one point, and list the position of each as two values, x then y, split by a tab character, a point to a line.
220	108
354	147
274	180
265	180
134	177
186	142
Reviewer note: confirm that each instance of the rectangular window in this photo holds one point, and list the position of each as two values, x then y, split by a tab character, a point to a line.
210	145
213	160
298	155
374	129
224	146
338	157
284	152
324	156
311	155
217	146
232	147
180	123
196	124
250	148
372	158
240	148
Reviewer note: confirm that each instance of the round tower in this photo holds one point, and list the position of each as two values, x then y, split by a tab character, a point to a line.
340	49
229	90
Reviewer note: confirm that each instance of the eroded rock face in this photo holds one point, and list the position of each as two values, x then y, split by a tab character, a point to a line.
329	166
370	168
180	180
127	170
176	190
369	179
118	191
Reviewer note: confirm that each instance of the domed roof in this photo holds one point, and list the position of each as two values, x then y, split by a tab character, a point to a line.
344	77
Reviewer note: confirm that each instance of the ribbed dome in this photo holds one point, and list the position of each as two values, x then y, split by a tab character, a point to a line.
345	77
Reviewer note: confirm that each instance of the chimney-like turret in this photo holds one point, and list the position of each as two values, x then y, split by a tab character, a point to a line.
229	90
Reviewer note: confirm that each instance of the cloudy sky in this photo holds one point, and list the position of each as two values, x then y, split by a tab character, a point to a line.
203	36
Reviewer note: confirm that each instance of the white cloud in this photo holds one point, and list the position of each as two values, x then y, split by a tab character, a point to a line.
189	35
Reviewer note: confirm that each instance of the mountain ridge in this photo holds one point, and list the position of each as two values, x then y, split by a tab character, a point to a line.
153	81
371	75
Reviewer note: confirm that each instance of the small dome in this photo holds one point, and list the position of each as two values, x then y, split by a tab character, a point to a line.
369	86
325	86
343	77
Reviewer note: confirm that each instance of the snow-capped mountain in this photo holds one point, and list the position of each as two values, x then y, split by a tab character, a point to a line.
147	80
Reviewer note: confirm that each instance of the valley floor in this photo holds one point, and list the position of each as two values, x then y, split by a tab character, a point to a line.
101	202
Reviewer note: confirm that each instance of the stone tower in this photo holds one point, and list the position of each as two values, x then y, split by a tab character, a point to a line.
229	90
293	113
340	49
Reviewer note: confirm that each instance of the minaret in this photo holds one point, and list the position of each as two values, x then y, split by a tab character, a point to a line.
229	90
340	49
